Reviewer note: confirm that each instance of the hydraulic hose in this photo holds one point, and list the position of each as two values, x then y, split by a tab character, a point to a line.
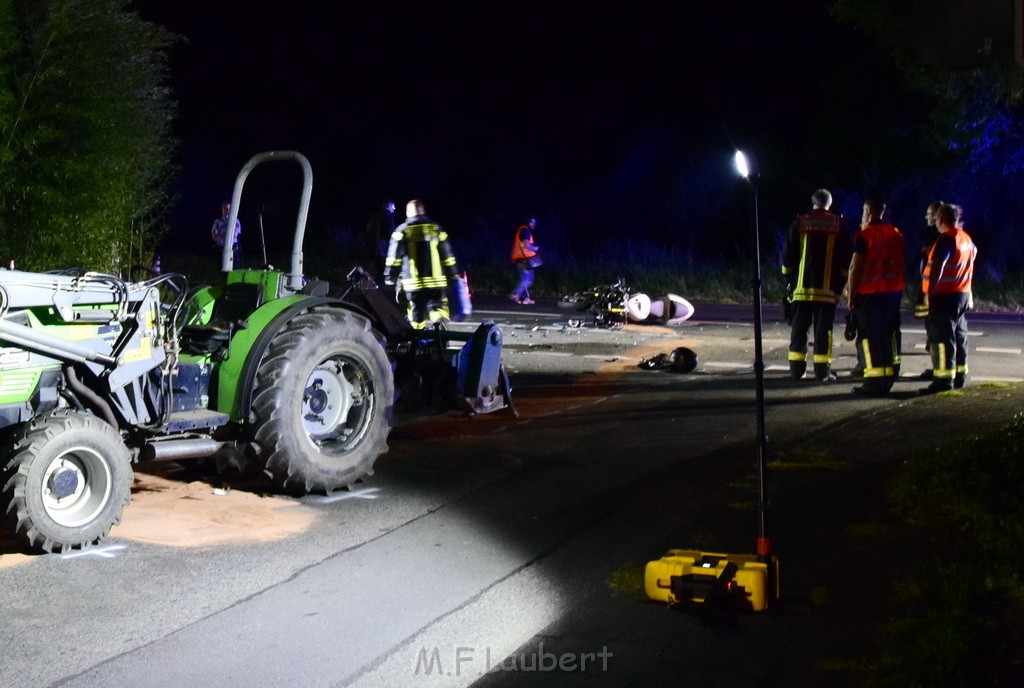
97	402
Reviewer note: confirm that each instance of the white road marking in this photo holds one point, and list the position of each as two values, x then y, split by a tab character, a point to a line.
105	552
727	365
977	378
563	354
983	349
914	330
368	493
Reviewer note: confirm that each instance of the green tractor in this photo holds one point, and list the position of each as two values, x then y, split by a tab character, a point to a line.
97	374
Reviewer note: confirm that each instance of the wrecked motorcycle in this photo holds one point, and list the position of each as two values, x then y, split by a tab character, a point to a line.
615	304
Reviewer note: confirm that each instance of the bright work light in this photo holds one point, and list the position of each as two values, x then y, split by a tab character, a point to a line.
671	578
741	165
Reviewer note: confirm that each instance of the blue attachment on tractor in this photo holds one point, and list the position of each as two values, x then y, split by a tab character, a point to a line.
427	366
481	384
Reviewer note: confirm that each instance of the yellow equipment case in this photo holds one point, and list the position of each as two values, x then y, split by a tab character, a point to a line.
685	575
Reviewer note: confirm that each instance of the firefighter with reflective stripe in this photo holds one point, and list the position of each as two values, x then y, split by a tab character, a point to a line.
421	261
814	260
947	280
875	288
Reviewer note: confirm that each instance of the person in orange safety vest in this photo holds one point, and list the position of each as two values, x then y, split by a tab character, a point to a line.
526	258
927	239
947	282
874	291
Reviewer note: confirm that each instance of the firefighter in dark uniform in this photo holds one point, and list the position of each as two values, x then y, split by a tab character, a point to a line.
947	281
421	260
814	260
875	289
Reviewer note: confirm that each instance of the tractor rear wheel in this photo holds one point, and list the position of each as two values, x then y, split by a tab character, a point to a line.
67	481
323	401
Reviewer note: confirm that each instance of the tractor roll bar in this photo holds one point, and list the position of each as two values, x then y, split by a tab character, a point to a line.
295	275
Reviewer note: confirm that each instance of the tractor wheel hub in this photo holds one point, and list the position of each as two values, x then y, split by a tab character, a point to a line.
63	483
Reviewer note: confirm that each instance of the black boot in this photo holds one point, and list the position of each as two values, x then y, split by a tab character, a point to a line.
823	372
937	386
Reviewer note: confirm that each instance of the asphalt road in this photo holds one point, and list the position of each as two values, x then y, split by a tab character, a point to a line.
473	534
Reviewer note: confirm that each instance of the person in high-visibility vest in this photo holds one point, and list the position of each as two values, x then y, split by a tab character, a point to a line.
421	261
814	260
947	281
927	239
526	258
874	291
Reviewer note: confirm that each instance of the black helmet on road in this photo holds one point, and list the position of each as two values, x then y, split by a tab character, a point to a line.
682	360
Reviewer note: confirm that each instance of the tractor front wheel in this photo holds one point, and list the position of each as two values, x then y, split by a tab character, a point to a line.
67	481
323	401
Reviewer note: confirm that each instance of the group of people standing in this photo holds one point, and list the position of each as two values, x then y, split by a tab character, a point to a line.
820	264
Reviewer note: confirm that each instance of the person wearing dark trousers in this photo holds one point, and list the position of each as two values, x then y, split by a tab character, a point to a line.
814	260
927	238
874	290
219	233
947	281
526	259
421	261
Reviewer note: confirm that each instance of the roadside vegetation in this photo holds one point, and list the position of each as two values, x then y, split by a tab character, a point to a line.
651	270
656	270
962	619
85	134
709	283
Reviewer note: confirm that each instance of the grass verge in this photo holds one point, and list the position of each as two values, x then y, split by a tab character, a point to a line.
962	610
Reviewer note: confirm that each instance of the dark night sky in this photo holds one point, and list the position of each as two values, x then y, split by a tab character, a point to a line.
596	117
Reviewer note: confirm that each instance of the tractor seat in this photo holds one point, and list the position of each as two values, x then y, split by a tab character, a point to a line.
230	313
